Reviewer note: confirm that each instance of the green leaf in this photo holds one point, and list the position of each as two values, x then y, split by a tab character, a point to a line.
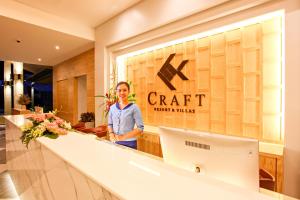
100	96
51	135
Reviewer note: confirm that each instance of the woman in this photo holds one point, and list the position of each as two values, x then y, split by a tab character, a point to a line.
122	118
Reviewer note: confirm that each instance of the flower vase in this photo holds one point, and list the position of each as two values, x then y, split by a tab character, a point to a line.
101	131
89	124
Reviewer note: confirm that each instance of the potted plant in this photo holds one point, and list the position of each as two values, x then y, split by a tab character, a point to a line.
24	100
88	118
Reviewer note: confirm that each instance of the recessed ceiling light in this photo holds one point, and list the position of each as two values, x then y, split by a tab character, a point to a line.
57	47
39	59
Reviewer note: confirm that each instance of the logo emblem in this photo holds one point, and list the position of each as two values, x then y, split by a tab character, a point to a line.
167	72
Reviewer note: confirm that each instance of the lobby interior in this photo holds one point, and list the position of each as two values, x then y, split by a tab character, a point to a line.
226	67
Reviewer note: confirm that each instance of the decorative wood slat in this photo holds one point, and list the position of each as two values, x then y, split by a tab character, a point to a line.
238	71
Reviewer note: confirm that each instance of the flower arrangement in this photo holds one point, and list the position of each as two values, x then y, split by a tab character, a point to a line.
46	124
24	99
111	97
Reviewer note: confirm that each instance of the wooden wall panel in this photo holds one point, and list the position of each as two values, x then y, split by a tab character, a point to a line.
274	165
65	85
62	99
149	143
239	71
218	66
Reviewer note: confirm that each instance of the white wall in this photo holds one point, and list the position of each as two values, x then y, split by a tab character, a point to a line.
82	95
148	22
292	105
148	15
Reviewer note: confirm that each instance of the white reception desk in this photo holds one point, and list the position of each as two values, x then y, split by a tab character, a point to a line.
77	166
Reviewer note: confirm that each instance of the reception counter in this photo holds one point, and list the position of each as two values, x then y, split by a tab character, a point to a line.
78	166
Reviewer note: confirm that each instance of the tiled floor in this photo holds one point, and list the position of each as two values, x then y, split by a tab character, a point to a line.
2	145
7	189
2	120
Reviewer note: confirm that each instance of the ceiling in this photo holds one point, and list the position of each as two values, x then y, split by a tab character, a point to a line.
41	25
37	42
35	69
89	12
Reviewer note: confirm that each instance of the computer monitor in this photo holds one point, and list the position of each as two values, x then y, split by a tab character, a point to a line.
227	158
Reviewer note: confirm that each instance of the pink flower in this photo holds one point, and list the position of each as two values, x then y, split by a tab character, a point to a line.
29	115
39	123
59	131
49	115
36	117
59	121
51	125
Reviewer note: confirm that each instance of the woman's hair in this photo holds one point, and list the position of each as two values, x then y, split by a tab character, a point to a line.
121	83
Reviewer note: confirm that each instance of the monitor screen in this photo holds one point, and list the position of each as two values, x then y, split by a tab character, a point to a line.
230	159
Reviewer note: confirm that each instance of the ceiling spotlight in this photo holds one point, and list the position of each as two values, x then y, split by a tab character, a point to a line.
57	47
18	41
39	59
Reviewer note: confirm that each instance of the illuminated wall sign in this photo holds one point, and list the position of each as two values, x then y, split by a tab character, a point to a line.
228	81
166	74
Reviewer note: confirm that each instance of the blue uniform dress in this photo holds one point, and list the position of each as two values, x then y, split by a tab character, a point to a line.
123	120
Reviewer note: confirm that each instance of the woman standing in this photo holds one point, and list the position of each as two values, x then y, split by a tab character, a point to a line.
122	118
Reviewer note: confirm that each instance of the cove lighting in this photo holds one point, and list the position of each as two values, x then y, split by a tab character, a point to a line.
255	20
7	76
8	91
19	87
121	70
283	76
18	67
